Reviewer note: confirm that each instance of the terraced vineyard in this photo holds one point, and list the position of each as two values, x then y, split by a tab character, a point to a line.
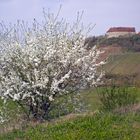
127	63
124	64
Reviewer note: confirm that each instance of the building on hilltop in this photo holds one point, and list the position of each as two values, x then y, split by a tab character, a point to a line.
120	31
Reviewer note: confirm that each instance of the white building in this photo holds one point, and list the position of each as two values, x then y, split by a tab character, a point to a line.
120	31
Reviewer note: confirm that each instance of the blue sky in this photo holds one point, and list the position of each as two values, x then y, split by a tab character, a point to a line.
103	13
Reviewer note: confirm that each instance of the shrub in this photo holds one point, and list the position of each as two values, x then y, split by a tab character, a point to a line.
115	97
47	62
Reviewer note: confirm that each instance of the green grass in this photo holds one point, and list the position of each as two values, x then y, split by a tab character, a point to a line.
10	108
127	63
95	127
92	96
91	99
122	65
98	126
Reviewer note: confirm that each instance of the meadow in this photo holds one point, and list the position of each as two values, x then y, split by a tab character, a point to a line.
96	123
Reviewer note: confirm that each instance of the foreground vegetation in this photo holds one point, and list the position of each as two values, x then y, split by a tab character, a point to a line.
95	127
97	123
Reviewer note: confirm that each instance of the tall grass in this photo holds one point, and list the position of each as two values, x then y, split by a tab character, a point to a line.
96	127
115	97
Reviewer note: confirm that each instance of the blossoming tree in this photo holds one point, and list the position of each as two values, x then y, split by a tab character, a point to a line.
51	61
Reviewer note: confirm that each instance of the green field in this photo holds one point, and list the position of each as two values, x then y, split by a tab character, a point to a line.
91	127
127	63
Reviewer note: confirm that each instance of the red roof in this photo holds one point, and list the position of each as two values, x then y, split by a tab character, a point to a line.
121	29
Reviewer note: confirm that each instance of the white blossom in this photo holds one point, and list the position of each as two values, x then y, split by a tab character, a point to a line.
51	60
51	98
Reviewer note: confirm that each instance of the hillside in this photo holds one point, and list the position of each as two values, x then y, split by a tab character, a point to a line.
123	58
90	127
125	64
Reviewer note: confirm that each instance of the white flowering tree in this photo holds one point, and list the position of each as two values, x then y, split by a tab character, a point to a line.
51	60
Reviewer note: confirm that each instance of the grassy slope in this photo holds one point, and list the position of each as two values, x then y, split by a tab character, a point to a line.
128	63
125	64
94	127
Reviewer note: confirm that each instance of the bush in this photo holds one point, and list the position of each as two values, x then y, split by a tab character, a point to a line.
67	104
50	61
115	97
